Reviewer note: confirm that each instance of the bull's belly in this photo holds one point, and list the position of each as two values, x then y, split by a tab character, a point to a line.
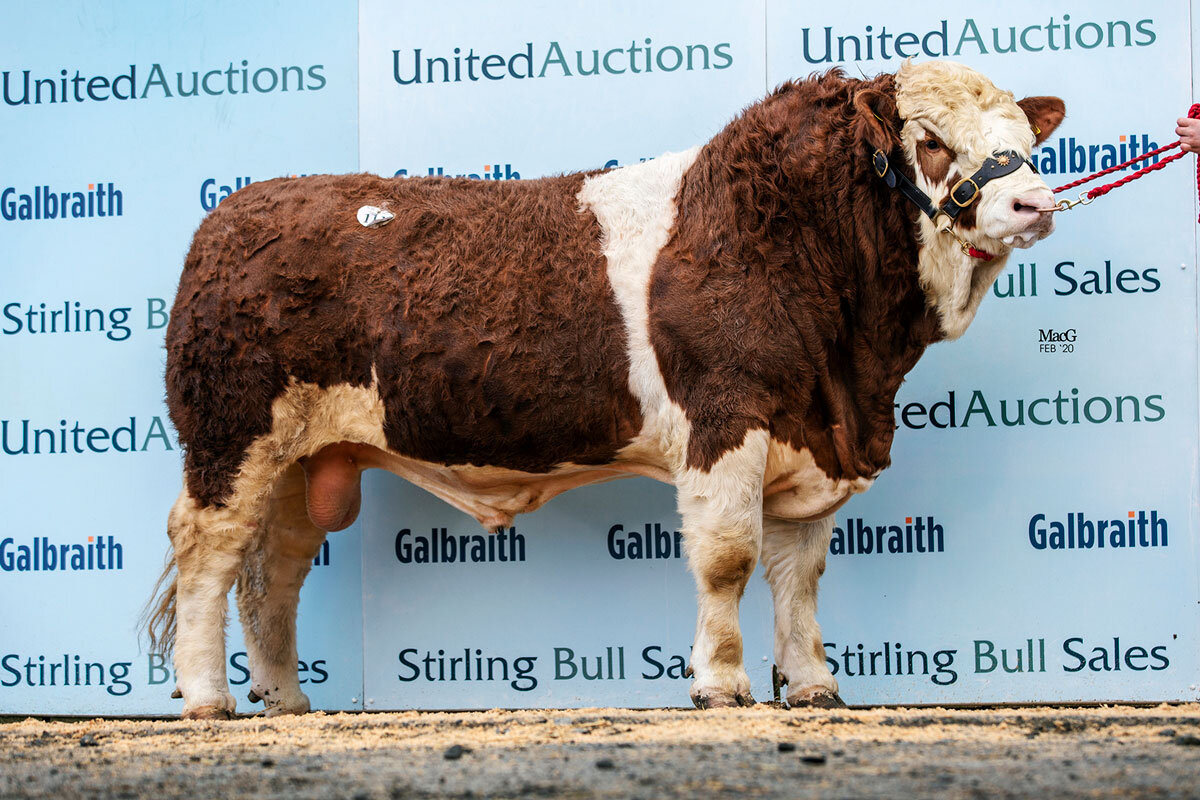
794	487
492	495
337	432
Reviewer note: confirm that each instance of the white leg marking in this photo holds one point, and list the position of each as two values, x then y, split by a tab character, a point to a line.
793	555
722	522
209	545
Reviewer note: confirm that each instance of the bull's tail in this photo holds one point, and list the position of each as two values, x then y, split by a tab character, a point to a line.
158	617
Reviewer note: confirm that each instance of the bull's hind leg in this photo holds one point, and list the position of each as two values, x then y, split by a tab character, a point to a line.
793	555
722	522
209	544
268	591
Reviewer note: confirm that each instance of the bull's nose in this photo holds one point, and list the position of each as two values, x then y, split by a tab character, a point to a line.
1032	205
1032	218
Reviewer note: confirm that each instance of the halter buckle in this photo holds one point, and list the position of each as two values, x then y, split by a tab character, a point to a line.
974	195
880	163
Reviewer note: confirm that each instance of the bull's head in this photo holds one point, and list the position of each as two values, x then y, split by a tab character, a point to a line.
955	126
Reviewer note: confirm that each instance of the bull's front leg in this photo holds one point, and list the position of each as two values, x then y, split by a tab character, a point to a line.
722	527
793	556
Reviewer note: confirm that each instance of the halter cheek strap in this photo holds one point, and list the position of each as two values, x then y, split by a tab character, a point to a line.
900	182
964	193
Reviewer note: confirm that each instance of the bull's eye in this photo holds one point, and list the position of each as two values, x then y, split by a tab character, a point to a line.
932	145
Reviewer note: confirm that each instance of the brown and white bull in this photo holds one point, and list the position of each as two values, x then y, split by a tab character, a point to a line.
734	319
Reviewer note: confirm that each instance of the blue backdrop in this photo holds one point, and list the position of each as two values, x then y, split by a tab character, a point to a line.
1072	399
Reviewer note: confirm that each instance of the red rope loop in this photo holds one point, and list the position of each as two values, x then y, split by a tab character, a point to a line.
1123	165
1099	191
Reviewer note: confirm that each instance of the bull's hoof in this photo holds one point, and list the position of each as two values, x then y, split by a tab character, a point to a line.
717	699
209	705
298	705
815	697
278	702
208	712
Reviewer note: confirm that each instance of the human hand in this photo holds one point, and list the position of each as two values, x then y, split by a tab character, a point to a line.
1188	131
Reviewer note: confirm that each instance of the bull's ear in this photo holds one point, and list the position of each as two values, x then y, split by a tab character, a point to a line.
876	122
1045	114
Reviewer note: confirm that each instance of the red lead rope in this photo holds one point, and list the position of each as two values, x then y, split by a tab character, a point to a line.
1099	191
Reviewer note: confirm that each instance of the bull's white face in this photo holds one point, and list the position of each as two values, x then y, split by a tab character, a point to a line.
954	119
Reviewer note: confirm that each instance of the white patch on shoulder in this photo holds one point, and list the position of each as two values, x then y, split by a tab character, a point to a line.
635	207
794	487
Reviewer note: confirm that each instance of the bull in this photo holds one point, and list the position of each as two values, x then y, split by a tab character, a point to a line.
734	319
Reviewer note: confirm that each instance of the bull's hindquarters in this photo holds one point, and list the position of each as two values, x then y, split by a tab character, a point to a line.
263	539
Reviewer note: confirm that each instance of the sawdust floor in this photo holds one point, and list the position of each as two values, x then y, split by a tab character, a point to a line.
755	752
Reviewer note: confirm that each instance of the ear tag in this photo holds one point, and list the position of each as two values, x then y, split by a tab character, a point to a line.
374	217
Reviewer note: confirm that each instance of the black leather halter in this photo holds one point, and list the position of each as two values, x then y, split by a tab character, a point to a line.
964	193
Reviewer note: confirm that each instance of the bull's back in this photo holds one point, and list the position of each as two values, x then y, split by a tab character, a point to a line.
481	314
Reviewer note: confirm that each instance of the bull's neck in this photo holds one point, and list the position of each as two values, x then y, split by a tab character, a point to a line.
828	256
815	220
